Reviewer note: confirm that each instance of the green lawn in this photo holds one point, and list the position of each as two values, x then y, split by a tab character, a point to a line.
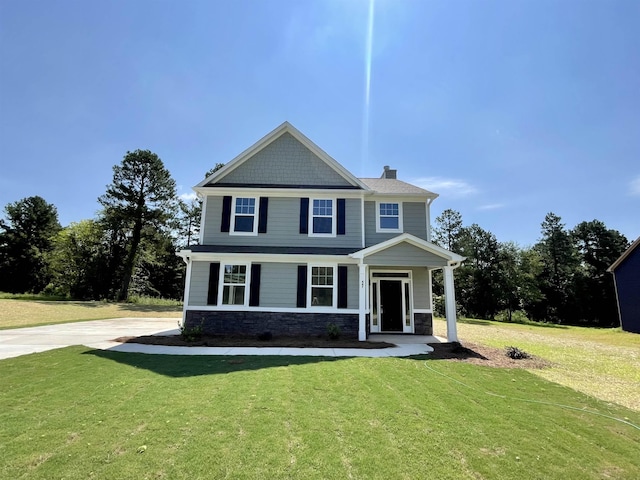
601	362
79	413
30	313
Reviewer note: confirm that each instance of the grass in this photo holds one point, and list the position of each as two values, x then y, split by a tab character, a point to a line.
30	313
78	413
604	363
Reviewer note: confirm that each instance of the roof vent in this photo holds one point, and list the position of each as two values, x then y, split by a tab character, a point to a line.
389	173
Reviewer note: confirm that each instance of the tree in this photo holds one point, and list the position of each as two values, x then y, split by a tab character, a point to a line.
448	230
217	167
25	240
142	194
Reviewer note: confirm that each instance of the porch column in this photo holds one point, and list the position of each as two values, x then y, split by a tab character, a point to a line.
450	305
362	302
187	288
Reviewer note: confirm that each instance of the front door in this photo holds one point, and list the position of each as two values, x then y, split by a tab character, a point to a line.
391	305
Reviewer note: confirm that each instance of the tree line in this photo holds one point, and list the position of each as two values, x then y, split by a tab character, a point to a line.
560	279
129	249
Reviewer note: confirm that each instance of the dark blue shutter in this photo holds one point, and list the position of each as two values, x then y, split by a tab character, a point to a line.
262	214
342	286
212	292
341	217
304	215
301	301
226	214
254	288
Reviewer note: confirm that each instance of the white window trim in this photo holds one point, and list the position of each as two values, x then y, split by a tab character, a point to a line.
233	216
334	207
379	229
247	283
334	297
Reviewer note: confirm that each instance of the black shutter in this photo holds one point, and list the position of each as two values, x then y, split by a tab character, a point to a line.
226	214
254	288
212	293
302	286
262	214
341	217
342	286
304	215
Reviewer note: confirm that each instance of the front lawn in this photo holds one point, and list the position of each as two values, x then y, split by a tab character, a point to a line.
80	413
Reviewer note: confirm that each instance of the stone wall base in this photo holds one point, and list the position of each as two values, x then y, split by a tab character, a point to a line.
423	323
286	323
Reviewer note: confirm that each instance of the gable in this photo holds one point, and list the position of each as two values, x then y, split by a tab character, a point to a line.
285	162
405	254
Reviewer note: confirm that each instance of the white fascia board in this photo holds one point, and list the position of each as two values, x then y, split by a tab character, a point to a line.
267	257
413	240
280	192
401	197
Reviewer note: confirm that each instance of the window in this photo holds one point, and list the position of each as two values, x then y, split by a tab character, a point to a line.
389	217
322	287
234	282
322	217
244	216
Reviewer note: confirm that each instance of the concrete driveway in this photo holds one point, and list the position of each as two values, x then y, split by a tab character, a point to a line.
100	334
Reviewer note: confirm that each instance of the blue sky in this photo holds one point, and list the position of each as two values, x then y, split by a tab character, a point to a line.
507	109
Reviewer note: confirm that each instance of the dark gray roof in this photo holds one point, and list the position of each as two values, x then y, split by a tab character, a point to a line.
393	186
271	250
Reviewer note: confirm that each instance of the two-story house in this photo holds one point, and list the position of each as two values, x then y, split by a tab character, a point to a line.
290	241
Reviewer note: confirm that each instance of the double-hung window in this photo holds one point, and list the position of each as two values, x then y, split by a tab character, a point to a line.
389	216
323	217
234	284
244	216
322	287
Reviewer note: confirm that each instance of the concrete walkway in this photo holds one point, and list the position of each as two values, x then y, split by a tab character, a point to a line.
99	334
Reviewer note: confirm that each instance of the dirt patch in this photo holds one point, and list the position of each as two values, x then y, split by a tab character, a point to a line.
246	341
482	355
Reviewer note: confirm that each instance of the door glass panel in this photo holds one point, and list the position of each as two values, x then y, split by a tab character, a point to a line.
374	301
407	303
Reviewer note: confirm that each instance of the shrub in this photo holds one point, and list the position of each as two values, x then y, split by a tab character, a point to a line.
333	331
517	316
191	334
515	353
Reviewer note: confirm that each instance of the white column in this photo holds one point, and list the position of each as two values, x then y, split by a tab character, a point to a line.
362	302
187	288
450	305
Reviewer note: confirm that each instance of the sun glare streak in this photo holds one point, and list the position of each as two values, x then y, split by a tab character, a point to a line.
367	89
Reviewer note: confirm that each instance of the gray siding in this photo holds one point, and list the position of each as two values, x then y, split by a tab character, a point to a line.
414	221
285	161
278	285
199	283
352	286
405	254
283	226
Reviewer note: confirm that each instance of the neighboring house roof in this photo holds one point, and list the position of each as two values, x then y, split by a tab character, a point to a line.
412	240
395	187
285	128
304	250
622	258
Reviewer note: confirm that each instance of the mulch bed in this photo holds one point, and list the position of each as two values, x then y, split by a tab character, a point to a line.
482	355
251	341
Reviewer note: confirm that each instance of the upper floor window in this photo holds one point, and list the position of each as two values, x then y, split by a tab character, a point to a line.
323	217
244	216
389	217
234	284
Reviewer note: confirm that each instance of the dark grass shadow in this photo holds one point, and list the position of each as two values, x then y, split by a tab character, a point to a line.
181	366
451	351
488	323
134	307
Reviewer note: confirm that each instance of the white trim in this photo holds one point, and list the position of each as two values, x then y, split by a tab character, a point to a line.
624	255
247	283
379	228
334	216
362	301
256	207
222	191
242	308
362	221
428	214
422	310
187	290
405	277
267	257
450	305
283	128
334	287
452	258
